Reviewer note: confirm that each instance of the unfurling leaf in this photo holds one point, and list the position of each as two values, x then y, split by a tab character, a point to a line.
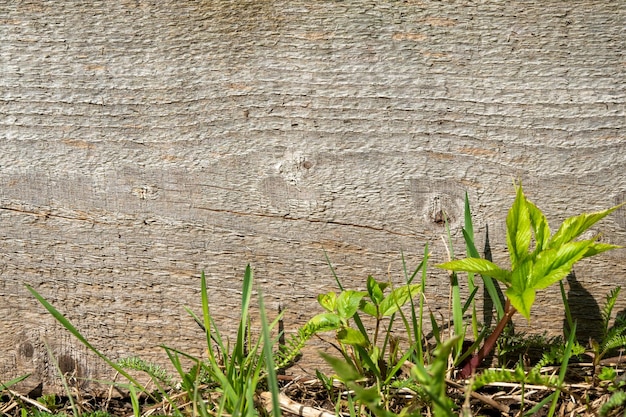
518	233
540	227
375	289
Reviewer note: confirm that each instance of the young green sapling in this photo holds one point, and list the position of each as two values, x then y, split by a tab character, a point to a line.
532	268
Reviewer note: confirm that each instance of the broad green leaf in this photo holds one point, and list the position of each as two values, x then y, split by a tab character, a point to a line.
328	301
596	248
521	277
348	303
553	265
324	322
375	289
574	226
368	308
397	298
521	300
521	293
540	226
518	229
350	336
478	266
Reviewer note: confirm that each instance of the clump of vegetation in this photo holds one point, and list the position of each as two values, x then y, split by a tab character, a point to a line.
533	267
387	365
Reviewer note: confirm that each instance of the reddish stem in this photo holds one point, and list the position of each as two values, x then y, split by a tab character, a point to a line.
471	366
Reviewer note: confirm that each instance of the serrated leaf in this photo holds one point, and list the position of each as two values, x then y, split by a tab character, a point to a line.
540	226
521	293
553	265
348	303
607	374
397	298
521	277
328	301
324	322
350	336
518	229
573	227
521	300
478	266
375	289
596	248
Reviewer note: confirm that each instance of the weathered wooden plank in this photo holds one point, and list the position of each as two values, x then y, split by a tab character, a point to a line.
143	142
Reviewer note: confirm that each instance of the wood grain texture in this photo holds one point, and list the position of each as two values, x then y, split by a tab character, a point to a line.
146	141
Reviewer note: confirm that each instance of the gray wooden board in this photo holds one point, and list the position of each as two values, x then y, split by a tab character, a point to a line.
146	141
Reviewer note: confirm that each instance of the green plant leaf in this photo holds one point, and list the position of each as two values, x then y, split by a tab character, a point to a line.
344	370
521	293
607	374
350	336
553	265
348	303
596	248
573	227
6	385
328	301
607	309
479	266
518	229
487	281
368	308
239	352
540	226
272	379
323	323
397	298
522	300
375	289
70	327
468	226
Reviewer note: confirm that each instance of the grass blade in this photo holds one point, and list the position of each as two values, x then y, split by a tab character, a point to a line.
272	379
66	386
9	384
563	370
487	280
69	327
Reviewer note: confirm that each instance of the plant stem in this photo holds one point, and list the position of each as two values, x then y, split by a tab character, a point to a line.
470	367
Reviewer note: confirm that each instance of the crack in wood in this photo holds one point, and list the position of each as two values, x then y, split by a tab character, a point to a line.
45	214
286	217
